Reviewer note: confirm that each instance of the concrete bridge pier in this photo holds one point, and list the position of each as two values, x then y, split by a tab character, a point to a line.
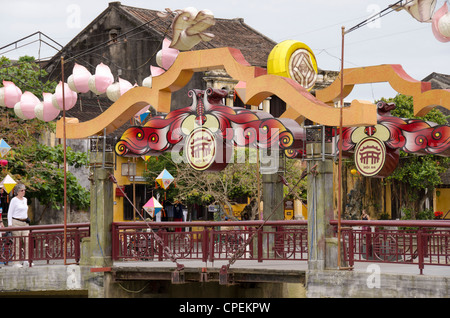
101	214
322	246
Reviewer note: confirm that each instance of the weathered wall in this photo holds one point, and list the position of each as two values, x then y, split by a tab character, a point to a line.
71	279
351	284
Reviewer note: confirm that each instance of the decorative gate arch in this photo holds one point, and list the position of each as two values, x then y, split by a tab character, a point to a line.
260	85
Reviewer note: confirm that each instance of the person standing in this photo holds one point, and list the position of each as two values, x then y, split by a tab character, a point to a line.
18	217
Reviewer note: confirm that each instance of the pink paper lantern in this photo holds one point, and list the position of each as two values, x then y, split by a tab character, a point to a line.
70	97
45	110
25	108
441	24
167	56
10	94
156	71
3	163
79	80
99	82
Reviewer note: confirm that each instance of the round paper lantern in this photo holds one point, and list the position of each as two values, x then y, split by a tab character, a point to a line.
147	82
166	56
45	110
116	90
3	162
113	91
98	83
18	111
156	71
79	80
25	108
444	25
70	97
440	24
293	59
10	94
2	96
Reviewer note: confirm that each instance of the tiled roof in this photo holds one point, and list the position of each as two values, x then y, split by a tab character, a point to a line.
438	81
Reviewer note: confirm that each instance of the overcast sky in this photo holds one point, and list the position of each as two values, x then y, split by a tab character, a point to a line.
396	38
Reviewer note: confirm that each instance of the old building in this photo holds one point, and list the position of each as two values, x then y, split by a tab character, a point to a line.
127	39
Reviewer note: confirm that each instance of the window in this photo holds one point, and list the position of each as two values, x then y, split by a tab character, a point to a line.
141	197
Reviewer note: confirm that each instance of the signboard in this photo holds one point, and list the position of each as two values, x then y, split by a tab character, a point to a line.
370	156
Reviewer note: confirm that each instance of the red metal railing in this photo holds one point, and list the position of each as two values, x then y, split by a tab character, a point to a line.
209	241
43	243
403	242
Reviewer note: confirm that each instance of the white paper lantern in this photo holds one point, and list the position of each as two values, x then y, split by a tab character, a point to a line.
444	25
18	111
113	91
147	82
116	90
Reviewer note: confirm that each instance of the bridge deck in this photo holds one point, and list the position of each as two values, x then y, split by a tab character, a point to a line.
249	270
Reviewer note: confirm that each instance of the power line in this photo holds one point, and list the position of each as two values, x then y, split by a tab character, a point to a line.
378	15
101	45
323	28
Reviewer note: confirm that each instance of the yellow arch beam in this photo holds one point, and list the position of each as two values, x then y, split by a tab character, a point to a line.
391	73
304	105
430	99
424	97
232	60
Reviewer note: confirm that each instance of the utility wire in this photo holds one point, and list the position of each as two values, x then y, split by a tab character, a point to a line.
102	45
377	16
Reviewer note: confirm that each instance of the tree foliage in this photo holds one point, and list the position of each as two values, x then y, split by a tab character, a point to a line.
237	180
38	166
26	74
416	175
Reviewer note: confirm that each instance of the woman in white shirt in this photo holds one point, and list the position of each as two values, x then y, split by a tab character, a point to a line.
17	216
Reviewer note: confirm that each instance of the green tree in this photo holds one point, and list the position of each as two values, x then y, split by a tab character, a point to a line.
38	166
416	176
26	74
237	180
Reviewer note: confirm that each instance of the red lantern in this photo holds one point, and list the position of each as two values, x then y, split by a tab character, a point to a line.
3	163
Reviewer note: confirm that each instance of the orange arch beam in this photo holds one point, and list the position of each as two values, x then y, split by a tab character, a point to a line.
391	73
424	97
258	87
